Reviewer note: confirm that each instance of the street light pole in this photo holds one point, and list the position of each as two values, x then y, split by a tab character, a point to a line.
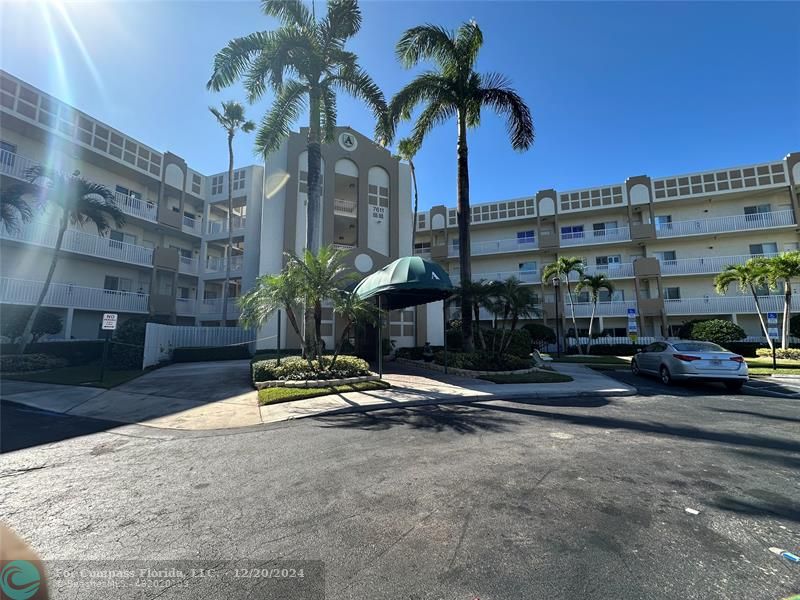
556	285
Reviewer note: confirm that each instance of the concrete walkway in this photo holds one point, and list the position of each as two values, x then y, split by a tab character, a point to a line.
218	395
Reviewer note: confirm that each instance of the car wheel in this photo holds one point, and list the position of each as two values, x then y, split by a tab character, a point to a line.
666	376
635	368
734	386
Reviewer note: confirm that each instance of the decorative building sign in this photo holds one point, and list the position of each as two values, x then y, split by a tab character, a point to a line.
348	141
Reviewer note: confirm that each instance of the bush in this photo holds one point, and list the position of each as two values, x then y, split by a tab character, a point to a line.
18	363
788	353
479	361
685	331
127	354
210	353
296	368
746	349
519	346
455	339
540	334
415	353
75	352
718	331
14	318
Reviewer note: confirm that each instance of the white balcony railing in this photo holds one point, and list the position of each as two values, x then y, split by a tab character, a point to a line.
612	271
187	265
217	226
497	246
726	305
348	208
703	265
22	291
213	306
780	218
80	242
184	306
615	308
424	253
217	264
521	276
15	165
191	225
601	236
344	246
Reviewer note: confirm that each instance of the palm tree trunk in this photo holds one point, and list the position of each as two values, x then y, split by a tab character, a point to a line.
764	327
318	329
416	205
26	333
477	310
591	324
230	232
339	344
787	313
464	218
572	311
313	208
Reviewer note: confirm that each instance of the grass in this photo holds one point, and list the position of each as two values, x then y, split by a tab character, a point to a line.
595	360
533	377
88	374
763	366
288	394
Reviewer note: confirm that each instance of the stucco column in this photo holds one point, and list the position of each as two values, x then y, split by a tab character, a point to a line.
68	323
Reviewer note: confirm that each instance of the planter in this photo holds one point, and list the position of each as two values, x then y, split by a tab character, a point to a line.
462	372
314	383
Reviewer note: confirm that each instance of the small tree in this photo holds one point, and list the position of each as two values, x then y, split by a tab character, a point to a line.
594	284
783	269
353	310
747	277
718	331
540	334
407	150
14	318
562	269
512	301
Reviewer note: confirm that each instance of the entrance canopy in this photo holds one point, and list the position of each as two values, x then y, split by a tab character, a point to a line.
408	281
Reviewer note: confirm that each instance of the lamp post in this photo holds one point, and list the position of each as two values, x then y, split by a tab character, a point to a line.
556	285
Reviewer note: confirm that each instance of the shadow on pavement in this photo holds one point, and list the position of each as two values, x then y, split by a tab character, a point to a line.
776	460
781	507
761	415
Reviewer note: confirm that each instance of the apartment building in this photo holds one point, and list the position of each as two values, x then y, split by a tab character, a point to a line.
661	240
170	257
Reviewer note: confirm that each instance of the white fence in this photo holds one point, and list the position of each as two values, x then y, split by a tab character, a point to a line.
161	340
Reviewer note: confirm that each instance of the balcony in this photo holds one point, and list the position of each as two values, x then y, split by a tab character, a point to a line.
213	306
703	265
614	308
780	218
184	307
190	225
15	165
422	252
521	276
187	266
217	264
343	246
599	236
346	208
497	246
612	271
79	242
726	305
22	291
220	226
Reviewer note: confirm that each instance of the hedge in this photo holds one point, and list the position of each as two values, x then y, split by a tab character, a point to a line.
718	331
416	353
788	353
210	353
296	368
76	352
480	361
18	363
520	344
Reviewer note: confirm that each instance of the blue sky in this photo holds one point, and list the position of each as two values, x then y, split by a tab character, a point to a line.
616	89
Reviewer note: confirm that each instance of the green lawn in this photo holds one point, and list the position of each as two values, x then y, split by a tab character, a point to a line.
623	361
88	374
763	366
287	394
533	377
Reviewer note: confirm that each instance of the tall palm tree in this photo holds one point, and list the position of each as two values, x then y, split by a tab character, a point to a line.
407	151
747	277
304	62
80	202
562	269
14	209
454	89
594	284
784	268
231	118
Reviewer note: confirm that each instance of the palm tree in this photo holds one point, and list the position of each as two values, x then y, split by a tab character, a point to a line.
514	301
784	268
408	150
593	284
15	210
747	276
352	310
231	118
81	201
478	294
269	294
318	277
304	62
454	89
561	269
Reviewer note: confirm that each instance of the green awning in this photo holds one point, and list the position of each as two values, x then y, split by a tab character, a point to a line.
408	281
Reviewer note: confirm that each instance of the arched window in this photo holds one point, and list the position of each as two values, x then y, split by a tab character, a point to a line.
378	192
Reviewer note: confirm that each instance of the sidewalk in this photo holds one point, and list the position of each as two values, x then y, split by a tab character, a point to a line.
218	395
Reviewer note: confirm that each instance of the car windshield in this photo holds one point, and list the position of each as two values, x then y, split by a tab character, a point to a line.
698	347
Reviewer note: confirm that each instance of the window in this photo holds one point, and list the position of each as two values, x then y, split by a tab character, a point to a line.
571	232
672	293
128	192
238	180
8	153
752	213
422	247
183	292
663	222
608	262
378	195
454	245
765	248
114	283
183	252
196	183
120	237
666	256
529	267
599	229
526	237
216	184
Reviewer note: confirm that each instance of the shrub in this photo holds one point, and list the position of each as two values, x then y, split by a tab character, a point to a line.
746	349
18	363
718	331
455	339
127	354
540	334
210	353
519	346
415	353
296	368
76	352
14	318
685	331
788	353
479	361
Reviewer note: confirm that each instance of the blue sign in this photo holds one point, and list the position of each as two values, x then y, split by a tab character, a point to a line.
631	312
772	317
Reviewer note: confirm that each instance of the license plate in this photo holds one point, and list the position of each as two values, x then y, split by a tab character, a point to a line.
716	362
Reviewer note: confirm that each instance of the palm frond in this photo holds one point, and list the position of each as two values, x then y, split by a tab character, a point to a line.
328	114
357	82
289	12
497	93
469	40
427	42
427	86
14	208
233	59
277	123
342	21
434	114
